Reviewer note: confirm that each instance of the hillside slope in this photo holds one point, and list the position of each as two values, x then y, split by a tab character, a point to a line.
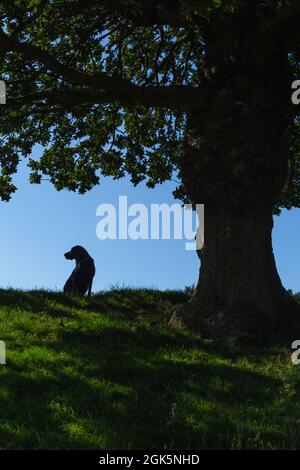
109	373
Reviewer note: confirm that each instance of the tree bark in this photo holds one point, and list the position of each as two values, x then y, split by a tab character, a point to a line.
239	289
235	163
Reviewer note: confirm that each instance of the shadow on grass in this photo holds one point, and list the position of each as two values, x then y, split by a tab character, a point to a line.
115	391
125	385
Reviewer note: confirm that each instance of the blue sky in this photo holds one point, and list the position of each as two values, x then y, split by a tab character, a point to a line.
40	224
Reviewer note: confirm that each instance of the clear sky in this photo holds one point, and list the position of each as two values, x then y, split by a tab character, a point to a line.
40	224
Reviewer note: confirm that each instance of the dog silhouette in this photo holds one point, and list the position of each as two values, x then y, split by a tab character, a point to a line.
81	279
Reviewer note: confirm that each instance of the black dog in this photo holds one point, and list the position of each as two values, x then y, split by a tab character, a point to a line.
81	279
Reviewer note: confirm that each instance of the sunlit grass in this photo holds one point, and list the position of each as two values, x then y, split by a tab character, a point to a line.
109	373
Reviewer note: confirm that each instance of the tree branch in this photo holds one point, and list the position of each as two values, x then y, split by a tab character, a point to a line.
163	12
146	12
112	88
283	28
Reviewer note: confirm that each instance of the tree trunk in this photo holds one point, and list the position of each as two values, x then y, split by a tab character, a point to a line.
239	289
235	162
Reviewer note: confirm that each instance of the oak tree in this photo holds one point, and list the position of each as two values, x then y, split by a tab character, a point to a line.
149	88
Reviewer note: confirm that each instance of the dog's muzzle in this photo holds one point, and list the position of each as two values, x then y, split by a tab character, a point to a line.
68	255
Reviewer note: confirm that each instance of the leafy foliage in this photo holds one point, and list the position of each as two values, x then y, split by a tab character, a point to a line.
54	55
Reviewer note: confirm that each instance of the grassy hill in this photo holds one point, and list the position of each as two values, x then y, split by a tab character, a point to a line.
108	373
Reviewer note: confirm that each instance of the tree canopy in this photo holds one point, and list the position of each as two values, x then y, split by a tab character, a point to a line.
107	85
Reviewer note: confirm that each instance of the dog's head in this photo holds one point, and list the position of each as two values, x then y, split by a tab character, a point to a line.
77	252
